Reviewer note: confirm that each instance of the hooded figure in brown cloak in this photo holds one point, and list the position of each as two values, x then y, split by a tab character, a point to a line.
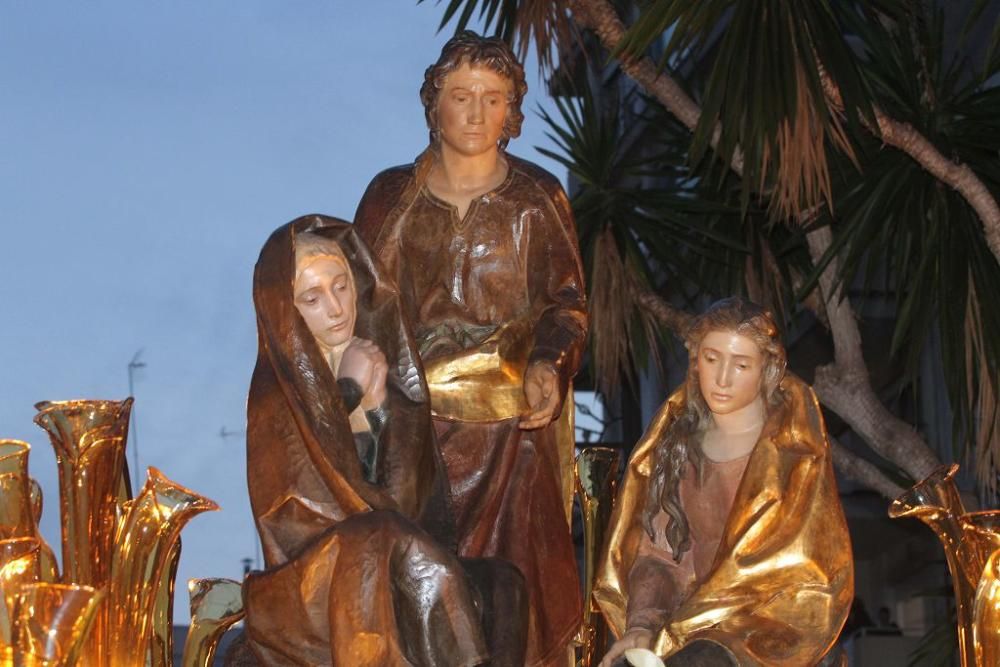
349	499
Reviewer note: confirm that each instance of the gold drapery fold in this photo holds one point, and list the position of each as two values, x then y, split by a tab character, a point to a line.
484	383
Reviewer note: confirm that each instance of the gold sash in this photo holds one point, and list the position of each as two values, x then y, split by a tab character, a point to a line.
486	384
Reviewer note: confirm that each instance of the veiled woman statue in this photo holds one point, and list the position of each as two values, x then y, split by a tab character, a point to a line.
728	544
345	479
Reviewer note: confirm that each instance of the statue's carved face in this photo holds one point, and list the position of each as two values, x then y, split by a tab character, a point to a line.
471	110
730	367
325	297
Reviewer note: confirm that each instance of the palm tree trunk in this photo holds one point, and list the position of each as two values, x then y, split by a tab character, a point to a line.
862	471
844	386
600	16
954	174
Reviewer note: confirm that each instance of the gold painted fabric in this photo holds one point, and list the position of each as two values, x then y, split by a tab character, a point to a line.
780	584
487	295
358	573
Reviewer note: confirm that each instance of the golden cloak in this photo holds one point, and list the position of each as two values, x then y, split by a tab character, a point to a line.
782	580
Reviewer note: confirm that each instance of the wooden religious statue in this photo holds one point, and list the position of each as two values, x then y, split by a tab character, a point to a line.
346	482
728	545
483	247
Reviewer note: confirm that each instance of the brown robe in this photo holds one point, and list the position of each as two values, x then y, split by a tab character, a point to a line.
657	582
780	583
351	578
501	286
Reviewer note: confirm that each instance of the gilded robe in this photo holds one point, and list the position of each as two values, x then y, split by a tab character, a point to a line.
781	582
487	295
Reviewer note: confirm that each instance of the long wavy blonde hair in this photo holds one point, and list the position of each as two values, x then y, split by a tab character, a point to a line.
681	442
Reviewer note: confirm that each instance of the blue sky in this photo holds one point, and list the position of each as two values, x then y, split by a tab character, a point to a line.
147	149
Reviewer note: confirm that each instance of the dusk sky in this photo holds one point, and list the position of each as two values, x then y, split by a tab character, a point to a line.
147	149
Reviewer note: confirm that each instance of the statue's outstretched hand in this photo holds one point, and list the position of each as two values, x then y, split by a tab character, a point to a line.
541	389
365	363
634	638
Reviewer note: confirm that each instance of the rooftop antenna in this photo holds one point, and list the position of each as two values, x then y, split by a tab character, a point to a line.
133	366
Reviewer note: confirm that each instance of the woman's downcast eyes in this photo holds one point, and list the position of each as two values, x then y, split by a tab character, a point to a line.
311	298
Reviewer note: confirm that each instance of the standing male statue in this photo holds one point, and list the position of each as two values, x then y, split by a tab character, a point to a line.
483	248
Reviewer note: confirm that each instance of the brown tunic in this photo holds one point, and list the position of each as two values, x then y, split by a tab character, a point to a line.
512	258
659	584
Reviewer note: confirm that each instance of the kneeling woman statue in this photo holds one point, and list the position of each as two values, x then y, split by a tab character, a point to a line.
728	544
345	479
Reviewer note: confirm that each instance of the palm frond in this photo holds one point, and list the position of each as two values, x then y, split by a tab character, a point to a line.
898	225
645	224
517	22
764	95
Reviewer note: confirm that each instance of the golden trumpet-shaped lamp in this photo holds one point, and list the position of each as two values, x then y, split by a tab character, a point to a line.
215	605
18	566
986	623
51	623
89	441
596	479
935	501
145	548
21	504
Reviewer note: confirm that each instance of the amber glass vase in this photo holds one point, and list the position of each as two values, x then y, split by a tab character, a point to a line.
20	504
981	537
215	605
145	549
981	534
596	479
986	624
89	440
51	624
968	540
18	566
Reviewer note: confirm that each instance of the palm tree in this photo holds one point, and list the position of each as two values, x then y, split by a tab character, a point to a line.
823	152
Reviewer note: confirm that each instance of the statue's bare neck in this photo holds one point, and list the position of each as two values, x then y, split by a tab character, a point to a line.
734	435
458	179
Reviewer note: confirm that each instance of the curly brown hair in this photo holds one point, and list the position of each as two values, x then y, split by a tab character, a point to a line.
681	442
475	50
